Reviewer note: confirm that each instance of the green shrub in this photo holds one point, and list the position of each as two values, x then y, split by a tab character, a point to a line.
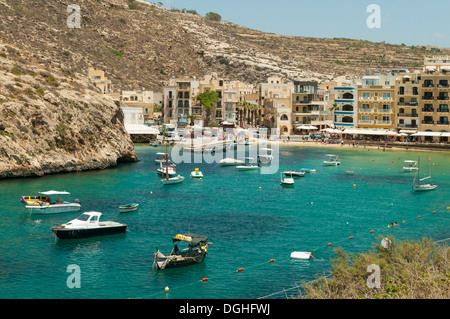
116	53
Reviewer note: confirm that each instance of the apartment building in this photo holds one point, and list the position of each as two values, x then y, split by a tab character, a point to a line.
408	91
146	100
376	102
345	106
101	81
179	100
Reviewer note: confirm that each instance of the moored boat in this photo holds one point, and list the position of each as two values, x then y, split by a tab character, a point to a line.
88	225
410	166
172	180
294	174
128	208
48	206
196	173
196	251
287	181
332	160
423	187
230	162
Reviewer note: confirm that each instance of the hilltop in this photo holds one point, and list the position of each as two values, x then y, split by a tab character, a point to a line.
140	44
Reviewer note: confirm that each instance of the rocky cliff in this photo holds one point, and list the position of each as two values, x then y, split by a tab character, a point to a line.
53	120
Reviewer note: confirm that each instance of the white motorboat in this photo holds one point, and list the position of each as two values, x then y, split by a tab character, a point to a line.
196	173
48	206
418	186
294	173
88	225
230	162
410	166
172	180
170	168
332	160
308	170
301	255
287	181
247	167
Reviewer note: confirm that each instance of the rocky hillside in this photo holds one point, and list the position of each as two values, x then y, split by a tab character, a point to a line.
139	44
55	121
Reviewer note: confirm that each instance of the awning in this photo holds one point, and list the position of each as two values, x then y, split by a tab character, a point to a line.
134	129
408	131
445	134
307	127
54	193
428	134
365	132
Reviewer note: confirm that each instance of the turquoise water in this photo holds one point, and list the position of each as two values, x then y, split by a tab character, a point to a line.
249	218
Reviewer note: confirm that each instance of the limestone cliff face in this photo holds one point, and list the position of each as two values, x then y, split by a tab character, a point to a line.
53	120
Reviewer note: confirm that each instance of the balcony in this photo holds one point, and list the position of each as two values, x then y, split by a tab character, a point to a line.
429	109
429	122
442	110
442	98
442	122
366	110
366	122
384	111
381	122
428	85
407	103
407	114
428	97
404	125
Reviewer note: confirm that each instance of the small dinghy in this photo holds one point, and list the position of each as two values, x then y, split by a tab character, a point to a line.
301	255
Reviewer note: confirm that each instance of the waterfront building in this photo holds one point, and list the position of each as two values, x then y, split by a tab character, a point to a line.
376	101
146	100
345	106
101	81
407	87
179	100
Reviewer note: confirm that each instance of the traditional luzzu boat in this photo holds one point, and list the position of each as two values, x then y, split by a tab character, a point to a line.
128	208
196	251
45	205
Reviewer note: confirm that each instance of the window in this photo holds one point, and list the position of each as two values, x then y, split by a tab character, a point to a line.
284	117
386	96
365	95
365	119
365	107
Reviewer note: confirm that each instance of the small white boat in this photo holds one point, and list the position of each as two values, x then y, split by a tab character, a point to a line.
196	174
294	173
287	181
350	172
88	225
419	187
49	206
301	255
171	169
308	170
230	162
247	167
332	160
172	180
410	166
128	208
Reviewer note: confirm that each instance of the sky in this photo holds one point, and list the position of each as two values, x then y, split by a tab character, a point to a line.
411	22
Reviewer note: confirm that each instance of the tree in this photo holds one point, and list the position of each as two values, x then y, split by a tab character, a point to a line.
208	100
213	16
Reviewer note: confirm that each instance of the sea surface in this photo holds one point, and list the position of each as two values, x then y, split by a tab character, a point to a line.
249	218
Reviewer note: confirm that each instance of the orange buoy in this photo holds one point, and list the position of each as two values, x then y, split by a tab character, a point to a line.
272	260
404	221
419	216
241	269
329	244
434	212
354	185
371	231
351	237
204	279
